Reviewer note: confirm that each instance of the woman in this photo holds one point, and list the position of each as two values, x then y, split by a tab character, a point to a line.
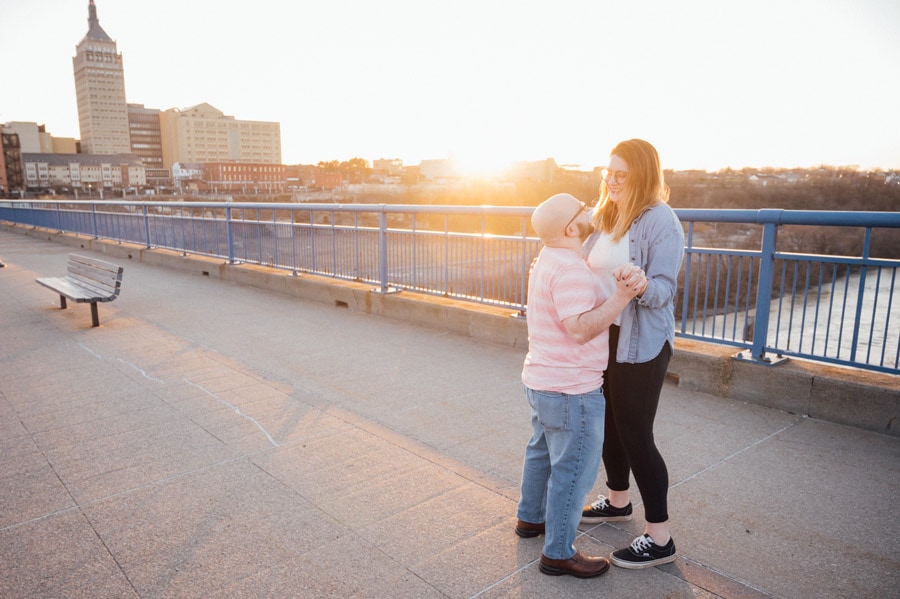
634	224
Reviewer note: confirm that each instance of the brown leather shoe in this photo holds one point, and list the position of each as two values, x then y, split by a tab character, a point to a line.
579	565
527	530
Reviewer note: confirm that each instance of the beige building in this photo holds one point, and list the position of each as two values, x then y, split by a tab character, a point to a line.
204	134
64	145
100	92
34	139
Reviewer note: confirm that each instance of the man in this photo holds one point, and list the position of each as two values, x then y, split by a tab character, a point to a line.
568	321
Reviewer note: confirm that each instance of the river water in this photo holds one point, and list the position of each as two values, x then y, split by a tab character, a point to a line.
824	322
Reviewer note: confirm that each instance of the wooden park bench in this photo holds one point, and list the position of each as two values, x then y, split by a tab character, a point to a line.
86	280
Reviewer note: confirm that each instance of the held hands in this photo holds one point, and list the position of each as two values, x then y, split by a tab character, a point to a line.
630	280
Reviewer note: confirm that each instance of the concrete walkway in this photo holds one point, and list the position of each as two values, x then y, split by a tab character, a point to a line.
215	440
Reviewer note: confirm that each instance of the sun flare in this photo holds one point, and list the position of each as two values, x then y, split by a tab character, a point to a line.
476	165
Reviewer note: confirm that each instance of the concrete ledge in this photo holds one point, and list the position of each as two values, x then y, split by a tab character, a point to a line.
485	323
842	395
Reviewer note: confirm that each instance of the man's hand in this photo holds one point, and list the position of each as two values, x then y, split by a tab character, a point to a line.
630	280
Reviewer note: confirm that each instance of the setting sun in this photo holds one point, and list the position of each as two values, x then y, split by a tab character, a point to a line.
475	165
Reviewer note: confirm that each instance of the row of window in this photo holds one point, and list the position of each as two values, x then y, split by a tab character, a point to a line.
112	73
95	57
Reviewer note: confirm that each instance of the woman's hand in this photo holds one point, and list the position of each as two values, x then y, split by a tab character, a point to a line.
630	279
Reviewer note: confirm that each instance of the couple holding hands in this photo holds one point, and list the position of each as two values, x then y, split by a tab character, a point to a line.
601	331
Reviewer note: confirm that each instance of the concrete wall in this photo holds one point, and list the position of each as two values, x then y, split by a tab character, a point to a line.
843	395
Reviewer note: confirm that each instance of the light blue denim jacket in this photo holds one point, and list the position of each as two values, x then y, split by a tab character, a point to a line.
656	244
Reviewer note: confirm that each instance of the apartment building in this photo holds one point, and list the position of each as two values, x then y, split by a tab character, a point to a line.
92	172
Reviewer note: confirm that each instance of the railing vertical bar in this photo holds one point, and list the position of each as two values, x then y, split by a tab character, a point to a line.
875	297
688	253
729	271
834	276
790	326
887	320
780	310
818	293
867	244
805	304
874	312
748	325
715	317
844	298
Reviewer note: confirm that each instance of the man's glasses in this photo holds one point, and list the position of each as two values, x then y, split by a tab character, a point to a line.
583	208
618	177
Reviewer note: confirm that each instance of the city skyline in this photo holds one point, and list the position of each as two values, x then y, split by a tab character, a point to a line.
710	85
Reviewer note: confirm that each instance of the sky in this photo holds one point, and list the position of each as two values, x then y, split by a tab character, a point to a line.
710	83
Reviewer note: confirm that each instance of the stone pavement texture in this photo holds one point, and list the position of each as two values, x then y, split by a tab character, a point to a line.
216	440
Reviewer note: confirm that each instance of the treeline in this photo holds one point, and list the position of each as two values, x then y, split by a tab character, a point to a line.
825	188
820	189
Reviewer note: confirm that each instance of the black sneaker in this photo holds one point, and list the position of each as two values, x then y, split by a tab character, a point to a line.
602	511
644	553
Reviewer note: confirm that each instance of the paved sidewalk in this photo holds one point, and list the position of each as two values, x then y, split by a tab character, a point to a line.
214	440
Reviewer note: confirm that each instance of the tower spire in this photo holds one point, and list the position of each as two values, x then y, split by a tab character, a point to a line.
92	14
94	30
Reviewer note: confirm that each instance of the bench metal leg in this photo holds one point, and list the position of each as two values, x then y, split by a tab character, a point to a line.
95	316
62	302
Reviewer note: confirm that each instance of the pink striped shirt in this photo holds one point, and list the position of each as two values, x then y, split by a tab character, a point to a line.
562	285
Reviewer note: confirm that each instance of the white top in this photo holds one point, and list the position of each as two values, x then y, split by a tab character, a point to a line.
603	258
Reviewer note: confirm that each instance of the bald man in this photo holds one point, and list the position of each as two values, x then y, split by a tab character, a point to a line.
568	349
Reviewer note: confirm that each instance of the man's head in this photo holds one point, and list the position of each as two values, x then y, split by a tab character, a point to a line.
562	221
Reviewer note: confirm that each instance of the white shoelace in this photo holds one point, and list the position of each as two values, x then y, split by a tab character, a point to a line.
601	503
641	544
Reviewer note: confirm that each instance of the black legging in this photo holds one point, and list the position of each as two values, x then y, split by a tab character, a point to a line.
632	396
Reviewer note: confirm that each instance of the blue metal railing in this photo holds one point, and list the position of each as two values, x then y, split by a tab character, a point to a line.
747	281
776	303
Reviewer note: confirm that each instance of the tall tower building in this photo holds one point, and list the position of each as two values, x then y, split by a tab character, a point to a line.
100	91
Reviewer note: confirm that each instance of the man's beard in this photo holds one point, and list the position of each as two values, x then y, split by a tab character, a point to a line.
584	231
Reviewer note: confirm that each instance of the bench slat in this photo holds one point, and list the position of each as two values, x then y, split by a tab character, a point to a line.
98	287
76	293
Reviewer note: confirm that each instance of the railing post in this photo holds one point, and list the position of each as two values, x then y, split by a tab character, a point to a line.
147	225
383	253
230	233
94	219
765	282
293	243
525	270
382	250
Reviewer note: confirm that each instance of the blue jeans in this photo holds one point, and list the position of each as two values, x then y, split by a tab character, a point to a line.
561	463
